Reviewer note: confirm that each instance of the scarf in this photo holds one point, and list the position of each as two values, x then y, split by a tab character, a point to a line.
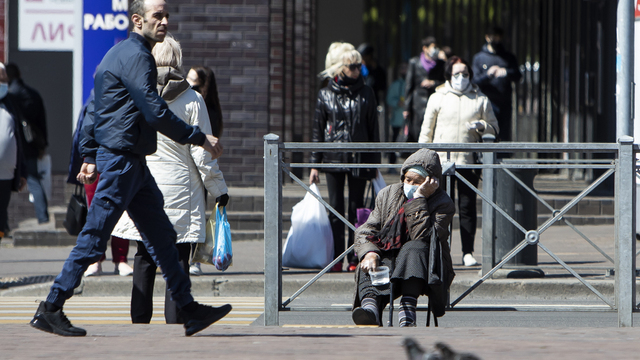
427	64
393	234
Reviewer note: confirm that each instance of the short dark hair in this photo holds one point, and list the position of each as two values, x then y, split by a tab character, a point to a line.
13	72
365	49
448	67
495	31
136	7
428	41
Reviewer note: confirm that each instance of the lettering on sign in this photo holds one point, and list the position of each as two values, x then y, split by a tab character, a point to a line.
47	25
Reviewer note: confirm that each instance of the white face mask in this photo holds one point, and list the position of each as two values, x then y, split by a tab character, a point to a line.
409	190
459	83
4	89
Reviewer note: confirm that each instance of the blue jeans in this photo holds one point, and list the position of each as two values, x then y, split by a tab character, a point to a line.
34	179
125	183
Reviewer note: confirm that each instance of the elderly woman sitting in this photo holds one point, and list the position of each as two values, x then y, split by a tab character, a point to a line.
408	226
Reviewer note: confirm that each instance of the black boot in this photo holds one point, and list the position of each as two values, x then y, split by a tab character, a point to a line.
54	322
203	316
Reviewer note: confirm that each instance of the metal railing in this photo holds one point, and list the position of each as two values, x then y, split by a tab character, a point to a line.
622	164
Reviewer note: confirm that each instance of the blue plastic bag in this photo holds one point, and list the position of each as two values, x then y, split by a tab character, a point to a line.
223	254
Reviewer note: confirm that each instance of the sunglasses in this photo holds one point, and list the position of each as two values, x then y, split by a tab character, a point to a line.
354	67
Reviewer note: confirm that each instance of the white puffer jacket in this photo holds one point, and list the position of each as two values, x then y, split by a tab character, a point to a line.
182	173
447	115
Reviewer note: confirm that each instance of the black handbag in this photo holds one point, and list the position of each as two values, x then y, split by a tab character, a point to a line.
76	212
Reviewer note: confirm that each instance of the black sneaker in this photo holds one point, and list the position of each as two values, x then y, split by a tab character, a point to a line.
204	316
362	316
55	322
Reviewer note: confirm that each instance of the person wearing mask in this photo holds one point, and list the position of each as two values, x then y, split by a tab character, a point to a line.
458	112
373	74
395	101
345	112
119	247
128	113
494	70
13	171
397	234
203	80
34	137
425	73
183	173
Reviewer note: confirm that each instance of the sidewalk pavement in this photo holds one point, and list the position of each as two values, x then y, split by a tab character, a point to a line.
28	271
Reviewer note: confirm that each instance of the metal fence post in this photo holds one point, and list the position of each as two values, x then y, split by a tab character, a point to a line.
625	232
488	232
272	230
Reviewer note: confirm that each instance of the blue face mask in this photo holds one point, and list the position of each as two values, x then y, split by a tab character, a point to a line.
409	190
4	89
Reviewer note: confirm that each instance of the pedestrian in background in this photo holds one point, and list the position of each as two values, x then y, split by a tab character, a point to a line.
203	80
373	74
425	73
128	113
13	171
458	112
494	70
395	101
34	137
183	173
345	112
119	247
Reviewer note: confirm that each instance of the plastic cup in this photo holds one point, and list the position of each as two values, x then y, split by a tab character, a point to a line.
380	277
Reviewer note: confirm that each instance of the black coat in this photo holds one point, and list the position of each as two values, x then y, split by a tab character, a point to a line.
10	103
344	114
416	96
30	104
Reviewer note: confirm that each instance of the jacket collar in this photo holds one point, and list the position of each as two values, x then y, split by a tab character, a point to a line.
340	89
446	88
171	83
141	39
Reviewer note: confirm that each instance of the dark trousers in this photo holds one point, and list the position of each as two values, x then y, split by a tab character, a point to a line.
335	184
125	183
144	276
34	182
466	207
5	197
395	131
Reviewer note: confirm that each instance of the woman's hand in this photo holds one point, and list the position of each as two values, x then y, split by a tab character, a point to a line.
370	262
314	177
428	187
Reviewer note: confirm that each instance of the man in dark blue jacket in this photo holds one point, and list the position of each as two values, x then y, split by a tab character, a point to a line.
126	115
494	68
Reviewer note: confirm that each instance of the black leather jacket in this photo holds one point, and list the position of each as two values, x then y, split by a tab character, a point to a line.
344	114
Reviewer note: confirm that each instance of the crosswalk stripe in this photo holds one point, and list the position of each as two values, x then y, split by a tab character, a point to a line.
115	310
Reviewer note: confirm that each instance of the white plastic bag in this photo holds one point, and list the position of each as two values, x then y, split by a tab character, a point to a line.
310	240
378	182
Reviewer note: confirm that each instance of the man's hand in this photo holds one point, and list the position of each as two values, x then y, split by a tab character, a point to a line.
405	114
87	174
428	187
212	145
475	125
426	83
314	177
497	71
23	184
370	262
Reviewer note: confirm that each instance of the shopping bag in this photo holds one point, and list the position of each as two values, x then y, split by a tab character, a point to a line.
76	212
362	214
309	243
223	253
204	251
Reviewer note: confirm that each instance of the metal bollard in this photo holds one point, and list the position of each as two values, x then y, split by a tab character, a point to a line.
488	185
272	230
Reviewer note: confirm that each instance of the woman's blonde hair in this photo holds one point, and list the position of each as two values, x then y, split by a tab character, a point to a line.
168	52
339	55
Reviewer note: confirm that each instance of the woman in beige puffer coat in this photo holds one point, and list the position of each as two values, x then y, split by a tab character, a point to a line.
458	112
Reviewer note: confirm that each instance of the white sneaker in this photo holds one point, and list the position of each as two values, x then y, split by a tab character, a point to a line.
94	269
195	270
469	260
123	269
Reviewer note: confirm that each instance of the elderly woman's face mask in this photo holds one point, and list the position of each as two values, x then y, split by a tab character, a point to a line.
412	181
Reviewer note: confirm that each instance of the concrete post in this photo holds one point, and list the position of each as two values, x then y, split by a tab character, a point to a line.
272	230
625	233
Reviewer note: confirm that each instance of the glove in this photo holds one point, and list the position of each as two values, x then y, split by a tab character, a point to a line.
222	200
475	125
